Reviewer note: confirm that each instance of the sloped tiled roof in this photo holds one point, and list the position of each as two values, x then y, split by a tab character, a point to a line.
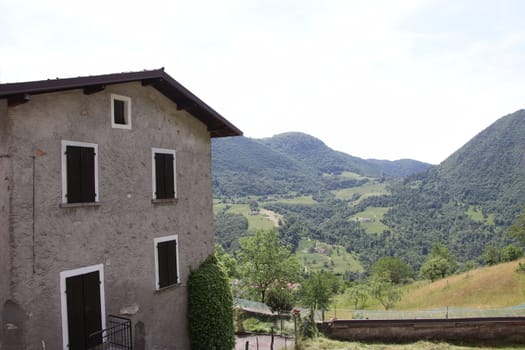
218	126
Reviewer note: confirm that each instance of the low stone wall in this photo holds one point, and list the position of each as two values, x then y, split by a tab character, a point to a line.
498	329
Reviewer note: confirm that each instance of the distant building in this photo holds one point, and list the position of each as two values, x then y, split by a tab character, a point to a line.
105	206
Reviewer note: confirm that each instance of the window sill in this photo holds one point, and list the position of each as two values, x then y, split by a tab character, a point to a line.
173	286
164	201
80	205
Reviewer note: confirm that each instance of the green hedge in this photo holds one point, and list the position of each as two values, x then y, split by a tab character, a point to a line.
210	308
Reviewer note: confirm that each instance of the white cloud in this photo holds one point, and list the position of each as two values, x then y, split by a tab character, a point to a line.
382	79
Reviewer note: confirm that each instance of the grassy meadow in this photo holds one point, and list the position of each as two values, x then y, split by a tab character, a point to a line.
475	214
316	255
322	343
260	221
369	189
371	218
485	288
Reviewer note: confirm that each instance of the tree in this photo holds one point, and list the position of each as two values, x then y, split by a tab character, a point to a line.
491	255
396	269
227	261
386	292
435	268
318	290
511	252
264	263
357	294
254	206
440	263
280	300
517	229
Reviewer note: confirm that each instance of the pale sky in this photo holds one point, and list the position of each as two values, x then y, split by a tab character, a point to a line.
378	79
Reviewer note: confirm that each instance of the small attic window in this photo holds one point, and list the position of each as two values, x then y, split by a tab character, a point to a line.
120	112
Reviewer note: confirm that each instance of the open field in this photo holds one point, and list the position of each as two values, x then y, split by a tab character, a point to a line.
371	218
480	290
295	200
486	287
475	214
317	255
260	221
367	190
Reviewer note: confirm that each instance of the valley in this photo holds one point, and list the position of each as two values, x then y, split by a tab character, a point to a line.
377	208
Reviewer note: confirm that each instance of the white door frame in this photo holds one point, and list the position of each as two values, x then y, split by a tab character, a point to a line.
63	297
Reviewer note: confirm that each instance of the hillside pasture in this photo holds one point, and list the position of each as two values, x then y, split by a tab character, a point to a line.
371	218
295	200
348	175
487	287
479	292
316	256
367	190
256	221
475	214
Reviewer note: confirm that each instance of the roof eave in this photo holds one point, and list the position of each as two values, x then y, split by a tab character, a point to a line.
217	125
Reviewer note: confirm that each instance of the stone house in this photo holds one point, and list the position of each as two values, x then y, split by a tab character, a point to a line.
105	206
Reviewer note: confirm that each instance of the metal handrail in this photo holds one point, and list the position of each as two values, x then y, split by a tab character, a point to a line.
117	336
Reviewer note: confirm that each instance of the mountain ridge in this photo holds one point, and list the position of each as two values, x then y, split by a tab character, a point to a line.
292	161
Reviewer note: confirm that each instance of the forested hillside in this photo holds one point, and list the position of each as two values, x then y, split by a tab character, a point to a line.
294	164
377	208
490	169
469	200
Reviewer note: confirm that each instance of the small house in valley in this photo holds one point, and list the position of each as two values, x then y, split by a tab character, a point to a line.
105	206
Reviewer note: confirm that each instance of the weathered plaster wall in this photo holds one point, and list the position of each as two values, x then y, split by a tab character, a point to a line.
4	219
119	233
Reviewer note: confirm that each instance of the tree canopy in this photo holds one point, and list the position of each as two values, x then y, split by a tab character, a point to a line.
440	263
264	263
393	269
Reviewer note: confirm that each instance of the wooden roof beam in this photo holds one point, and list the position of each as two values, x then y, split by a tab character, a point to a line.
88	90
18	99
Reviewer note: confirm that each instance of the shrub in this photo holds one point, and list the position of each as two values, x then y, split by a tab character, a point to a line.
210	308
254	325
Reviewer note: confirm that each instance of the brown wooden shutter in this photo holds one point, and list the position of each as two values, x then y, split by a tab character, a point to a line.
167	263
74	186
119	112
164	180
172	261
169	183
88	174
80	174
163	264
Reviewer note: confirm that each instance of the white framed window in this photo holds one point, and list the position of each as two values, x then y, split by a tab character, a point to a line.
120	112
163	171
79	172
166	252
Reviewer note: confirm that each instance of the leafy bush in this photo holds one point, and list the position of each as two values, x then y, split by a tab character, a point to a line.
521	268
210	307
254	325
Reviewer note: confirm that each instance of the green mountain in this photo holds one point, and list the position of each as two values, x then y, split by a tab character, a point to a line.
378	208
292	163
469	200
490	169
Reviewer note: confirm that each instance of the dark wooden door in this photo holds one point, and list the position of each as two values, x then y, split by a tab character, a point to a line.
84	312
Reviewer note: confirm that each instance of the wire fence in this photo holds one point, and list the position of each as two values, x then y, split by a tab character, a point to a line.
445	312
348	314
